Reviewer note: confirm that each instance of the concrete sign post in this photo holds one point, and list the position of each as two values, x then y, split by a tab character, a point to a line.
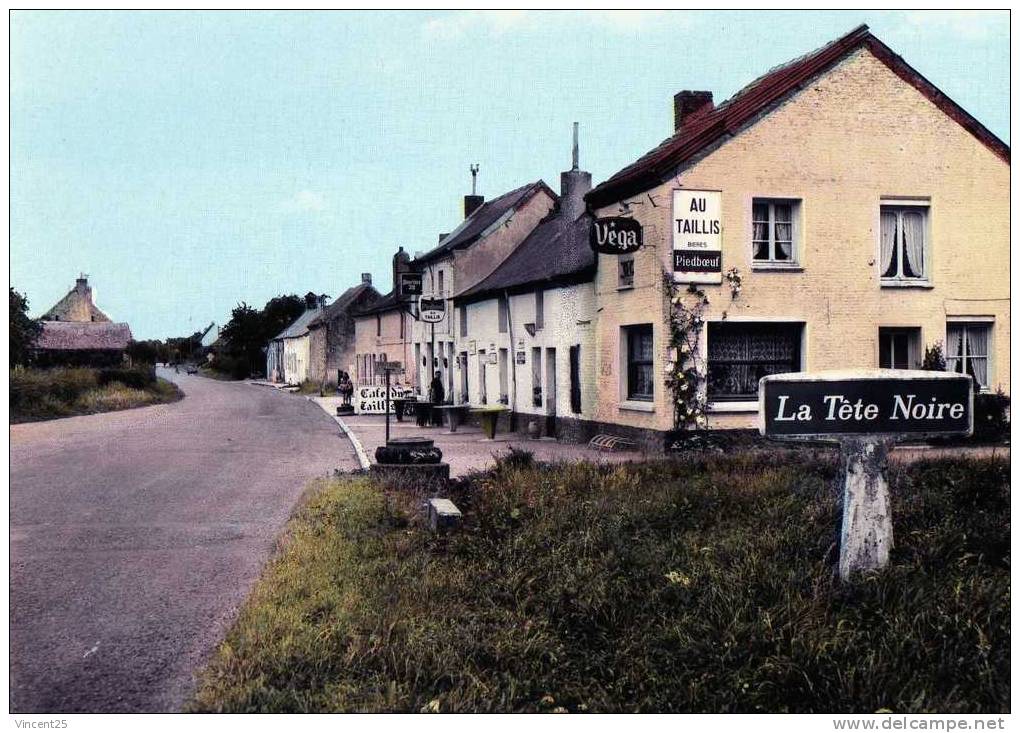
389	367
866	412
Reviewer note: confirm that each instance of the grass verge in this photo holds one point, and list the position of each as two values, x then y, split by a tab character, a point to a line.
46	394
668	586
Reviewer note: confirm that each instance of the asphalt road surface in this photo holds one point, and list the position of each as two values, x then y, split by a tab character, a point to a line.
136	535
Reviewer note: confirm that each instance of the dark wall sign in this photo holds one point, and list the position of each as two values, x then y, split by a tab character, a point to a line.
431	310
616	235
807	405
685	260
410	285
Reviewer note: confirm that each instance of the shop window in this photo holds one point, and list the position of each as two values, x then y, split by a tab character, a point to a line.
774	227
968	349
739	354
640	361
904	249
899	348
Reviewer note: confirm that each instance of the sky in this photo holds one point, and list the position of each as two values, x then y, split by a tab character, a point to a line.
189	161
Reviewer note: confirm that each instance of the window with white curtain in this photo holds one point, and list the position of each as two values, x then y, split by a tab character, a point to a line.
774	231
904	243
967	350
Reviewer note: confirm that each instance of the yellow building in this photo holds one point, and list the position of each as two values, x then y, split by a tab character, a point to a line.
838	212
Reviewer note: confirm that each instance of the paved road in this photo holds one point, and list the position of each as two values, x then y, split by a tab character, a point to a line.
135	536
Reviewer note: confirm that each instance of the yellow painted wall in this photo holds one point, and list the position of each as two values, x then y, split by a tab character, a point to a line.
851	137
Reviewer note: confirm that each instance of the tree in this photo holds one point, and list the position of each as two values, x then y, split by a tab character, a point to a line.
24	331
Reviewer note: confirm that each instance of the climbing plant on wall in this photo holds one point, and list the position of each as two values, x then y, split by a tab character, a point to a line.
685	369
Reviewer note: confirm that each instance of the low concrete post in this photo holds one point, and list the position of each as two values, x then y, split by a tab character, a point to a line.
867	533
443	515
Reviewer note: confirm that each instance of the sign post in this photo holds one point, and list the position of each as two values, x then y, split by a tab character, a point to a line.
389	367
866	412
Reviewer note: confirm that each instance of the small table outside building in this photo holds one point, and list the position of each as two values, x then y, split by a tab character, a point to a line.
399	405
489	416
454	416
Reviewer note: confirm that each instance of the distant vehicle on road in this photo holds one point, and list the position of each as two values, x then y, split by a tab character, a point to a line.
192	369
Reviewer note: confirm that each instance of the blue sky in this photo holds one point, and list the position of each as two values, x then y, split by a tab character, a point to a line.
188	161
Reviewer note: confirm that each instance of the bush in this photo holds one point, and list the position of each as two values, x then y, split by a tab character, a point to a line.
60	392
138	377
991	421
675	586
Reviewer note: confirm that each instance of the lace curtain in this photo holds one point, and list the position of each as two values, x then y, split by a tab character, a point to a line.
912	224
888	243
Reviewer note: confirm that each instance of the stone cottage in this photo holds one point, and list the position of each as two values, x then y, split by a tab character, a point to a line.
288	355
75	332
331	333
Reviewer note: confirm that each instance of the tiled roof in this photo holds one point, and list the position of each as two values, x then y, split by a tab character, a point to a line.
557	252
342	304
300	325
74	336
385	303
726	120
472	228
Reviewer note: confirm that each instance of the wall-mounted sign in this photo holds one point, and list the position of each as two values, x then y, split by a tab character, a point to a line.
472	347
615	235
410	285
431	310
371	400
886	402
492	353
697	236
520	357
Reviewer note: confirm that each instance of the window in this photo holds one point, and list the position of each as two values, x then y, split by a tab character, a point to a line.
536	377
899	348
502	315
904	243
442	290
626	272
504	387
575	379
640	382
739	354
463	320
967	350
539	308
773	227
378	324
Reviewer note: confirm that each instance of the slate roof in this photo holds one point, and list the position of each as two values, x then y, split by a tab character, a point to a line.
472	228
727	119
385	303
556	252
341	304
82	335
300	325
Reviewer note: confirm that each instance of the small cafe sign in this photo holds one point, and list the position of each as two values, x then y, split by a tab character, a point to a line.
865	411
697	236
616	235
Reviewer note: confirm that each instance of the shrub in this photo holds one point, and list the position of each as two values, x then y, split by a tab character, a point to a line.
138	377
934	360
991	421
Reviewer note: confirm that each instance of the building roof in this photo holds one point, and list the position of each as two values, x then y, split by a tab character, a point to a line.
482	219
300	325
342	304
556	252
726	120
83	335
383	304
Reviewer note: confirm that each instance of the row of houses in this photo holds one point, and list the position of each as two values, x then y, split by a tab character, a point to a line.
838	212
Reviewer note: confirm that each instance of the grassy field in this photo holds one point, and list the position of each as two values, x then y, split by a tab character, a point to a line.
678	586
45	394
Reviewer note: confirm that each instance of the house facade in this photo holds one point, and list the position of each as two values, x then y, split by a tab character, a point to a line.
331	334
839	212
382	332
288	356
491	230
525	334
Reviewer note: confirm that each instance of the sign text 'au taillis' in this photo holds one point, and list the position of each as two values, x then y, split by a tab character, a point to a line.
875	402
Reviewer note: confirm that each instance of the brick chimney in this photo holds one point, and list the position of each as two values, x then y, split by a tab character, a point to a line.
471	204
401	263
689	104
311	301
366	278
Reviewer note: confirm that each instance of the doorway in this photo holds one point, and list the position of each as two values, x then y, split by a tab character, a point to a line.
550	391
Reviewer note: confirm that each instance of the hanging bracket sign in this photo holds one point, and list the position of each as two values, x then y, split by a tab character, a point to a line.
431	310
865	411
697	236
410	285
615	235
